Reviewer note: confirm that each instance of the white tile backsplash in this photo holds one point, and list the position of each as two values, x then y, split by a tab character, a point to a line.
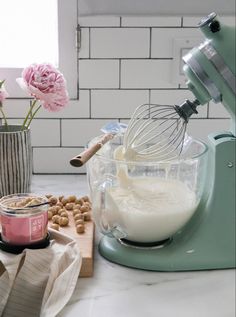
79	132
98	73
201	128
84	46
96	21
16	108
151	21
217	111
109	42
55	160
43	132
146	74
116	103
163	40
123	62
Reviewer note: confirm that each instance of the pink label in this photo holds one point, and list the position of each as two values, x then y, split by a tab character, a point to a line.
36	228
24	230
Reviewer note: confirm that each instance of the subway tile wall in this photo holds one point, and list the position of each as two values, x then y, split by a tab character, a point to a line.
123	62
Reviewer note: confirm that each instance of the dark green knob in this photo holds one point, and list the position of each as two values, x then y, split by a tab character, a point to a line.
214	26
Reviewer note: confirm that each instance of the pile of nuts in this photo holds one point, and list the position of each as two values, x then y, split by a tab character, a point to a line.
60	207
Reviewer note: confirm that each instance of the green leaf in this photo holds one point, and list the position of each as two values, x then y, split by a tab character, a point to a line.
1	83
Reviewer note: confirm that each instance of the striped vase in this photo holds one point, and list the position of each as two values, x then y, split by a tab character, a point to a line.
15	160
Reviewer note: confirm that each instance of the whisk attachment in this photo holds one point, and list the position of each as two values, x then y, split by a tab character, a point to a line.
157	131
187	108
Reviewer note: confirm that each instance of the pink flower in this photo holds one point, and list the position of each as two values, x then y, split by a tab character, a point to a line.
3	93
45	83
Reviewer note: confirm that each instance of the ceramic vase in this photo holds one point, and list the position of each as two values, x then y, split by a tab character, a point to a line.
15	160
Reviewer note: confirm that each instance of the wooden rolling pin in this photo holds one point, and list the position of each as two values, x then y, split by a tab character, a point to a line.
83	157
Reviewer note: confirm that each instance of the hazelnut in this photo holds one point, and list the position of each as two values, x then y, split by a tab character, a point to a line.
85	198
55	219
64	201
71	199
84	208
64	214
53	210
88	204
78	216
60	204
61	211
79	222
48	196
60	198
57	208
55	226
52	200
87	216
69	206
80	228
79	202
76	211
50	214
63	221
77	206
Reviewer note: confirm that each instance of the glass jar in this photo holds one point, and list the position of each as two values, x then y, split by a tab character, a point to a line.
23	224
145	201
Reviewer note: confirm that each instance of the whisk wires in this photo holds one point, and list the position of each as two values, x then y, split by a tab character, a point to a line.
155	131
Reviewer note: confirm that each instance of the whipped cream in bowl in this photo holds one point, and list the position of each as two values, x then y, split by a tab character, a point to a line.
149	201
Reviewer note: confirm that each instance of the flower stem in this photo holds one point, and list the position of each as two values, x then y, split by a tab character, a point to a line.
32	116
24	125
4	118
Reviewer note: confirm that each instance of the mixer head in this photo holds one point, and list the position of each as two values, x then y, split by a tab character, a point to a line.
158	132
210	67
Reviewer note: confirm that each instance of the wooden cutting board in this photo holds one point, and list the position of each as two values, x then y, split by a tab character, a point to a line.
85	241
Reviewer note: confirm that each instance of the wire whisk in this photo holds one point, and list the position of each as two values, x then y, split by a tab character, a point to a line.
157	131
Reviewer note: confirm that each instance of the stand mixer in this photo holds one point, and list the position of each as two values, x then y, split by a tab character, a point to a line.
207	240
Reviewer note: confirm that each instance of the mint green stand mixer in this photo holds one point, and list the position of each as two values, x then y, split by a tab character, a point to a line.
207	241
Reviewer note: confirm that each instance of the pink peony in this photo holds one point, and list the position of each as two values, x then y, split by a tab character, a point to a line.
45	83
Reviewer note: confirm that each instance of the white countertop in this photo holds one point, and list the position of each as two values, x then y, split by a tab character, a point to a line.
116	291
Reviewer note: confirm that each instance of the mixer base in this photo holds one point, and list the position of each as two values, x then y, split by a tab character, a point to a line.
208	240
145	245
164	259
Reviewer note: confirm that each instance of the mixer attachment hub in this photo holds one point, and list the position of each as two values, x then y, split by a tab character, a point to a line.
187	108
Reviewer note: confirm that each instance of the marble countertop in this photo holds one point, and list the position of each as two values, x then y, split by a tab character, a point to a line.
117	291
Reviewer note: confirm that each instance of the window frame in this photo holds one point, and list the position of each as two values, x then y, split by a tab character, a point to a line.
68	54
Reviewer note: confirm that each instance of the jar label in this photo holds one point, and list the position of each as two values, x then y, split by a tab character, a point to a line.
24	230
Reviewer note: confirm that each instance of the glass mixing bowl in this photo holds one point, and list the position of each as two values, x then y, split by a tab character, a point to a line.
145	201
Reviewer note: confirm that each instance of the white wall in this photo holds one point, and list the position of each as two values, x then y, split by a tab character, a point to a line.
155	7
123	62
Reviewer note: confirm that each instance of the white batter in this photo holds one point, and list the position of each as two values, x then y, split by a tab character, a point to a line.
148	208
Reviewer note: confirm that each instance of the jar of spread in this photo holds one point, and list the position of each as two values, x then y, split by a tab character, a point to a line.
24	219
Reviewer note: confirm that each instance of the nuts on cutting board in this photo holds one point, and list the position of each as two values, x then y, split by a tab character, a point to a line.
63	221
79	222
55	226
78	216
60	208
80	228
